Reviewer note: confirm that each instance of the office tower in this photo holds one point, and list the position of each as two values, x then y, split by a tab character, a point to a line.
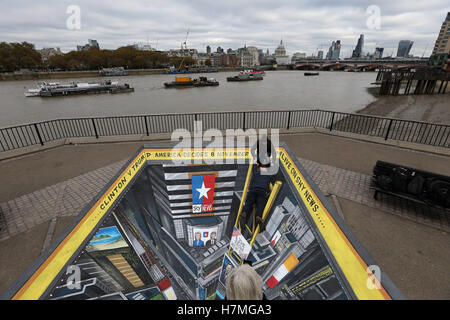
442	45
320	54
404	46
378	53
359	47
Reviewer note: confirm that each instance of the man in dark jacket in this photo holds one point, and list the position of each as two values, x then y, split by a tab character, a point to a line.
260	185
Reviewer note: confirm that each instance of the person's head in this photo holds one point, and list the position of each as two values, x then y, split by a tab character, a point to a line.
213	235
263	141
243	283
264	151
198	236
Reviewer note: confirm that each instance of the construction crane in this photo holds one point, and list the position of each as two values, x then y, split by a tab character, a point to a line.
185	41
185	47
426	47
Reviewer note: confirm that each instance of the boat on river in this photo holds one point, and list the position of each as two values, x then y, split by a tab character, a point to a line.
181	82
246	77
56	89
257	72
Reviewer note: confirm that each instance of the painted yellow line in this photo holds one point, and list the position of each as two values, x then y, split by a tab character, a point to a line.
41	279
36	285
346	256
348	259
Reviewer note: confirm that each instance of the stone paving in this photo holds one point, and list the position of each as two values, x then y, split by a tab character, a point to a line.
68	198
354	186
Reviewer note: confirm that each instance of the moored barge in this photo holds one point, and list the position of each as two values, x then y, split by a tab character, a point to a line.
181	82
246	77
56	89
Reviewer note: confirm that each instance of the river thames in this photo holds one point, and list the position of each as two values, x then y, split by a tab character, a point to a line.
280	90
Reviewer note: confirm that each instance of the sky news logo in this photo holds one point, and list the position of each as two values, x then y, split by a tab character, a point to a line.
203	193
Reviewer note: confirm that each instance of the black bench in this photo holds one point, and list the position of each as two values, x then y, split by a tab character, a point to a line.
413	184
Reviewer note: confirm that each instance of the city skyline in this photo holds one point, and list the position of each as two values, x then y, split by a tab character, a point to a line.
303	27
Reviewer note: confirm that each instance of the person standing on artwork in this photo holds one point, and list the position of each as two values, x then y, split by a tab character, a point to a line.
263	151
212	240
262	177
198	242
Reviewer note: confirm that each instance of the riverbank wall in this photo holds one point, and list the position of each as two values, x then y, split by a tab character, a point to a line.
84	74
67	74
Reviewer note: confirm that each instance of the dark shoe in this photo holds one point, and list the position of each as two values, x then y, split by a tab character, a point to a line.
261	224
243	219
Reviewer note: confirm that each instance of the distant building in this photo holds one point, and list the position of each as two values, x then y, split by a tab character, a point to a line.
334	50
145	47
46	53
202	57
378	53
142	47
255	55
441	50
219	50
357	53
442	45
91	44
188	53
280	54
216	59
320	54
245	57
267	59
298	56
404	46
260	56
208	50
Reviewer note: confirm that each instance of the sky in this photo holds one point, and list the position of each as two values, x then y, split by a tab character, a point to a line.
304	26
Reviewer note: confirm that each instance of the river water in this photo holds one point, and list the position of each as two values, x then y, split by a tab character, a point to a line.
280	90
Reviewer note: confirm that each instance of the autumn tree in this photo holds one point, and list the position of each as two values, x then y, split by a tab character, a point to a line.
14	56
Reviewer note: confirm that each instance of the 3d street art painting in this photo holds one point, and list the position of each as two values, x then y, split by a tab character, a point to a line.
164	231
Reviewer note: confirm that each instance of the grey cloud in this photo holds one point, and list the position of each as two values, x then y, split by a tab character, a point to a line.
304	25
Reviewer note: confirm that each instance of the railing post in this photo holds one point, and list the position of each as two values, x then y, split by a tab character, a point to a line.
332	120
289	119
95	128
38	134
146	125
389	129
243	125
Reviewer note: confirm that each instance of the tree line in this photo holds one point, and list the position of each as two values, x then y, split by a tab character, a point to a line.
14	56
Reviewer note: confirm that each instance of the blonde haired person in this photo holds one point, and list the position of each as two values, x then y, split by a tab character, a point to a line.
243	283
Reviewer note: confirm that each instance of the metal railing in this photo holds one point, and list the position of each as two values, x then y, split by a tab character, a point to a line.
395	129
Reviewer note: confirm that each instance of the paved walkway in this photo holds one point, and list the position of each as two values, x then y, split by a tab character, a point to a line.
68	198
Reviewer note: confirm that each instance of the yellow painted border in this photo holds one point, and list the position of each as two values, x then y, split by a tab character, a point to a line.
350	262
36	285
